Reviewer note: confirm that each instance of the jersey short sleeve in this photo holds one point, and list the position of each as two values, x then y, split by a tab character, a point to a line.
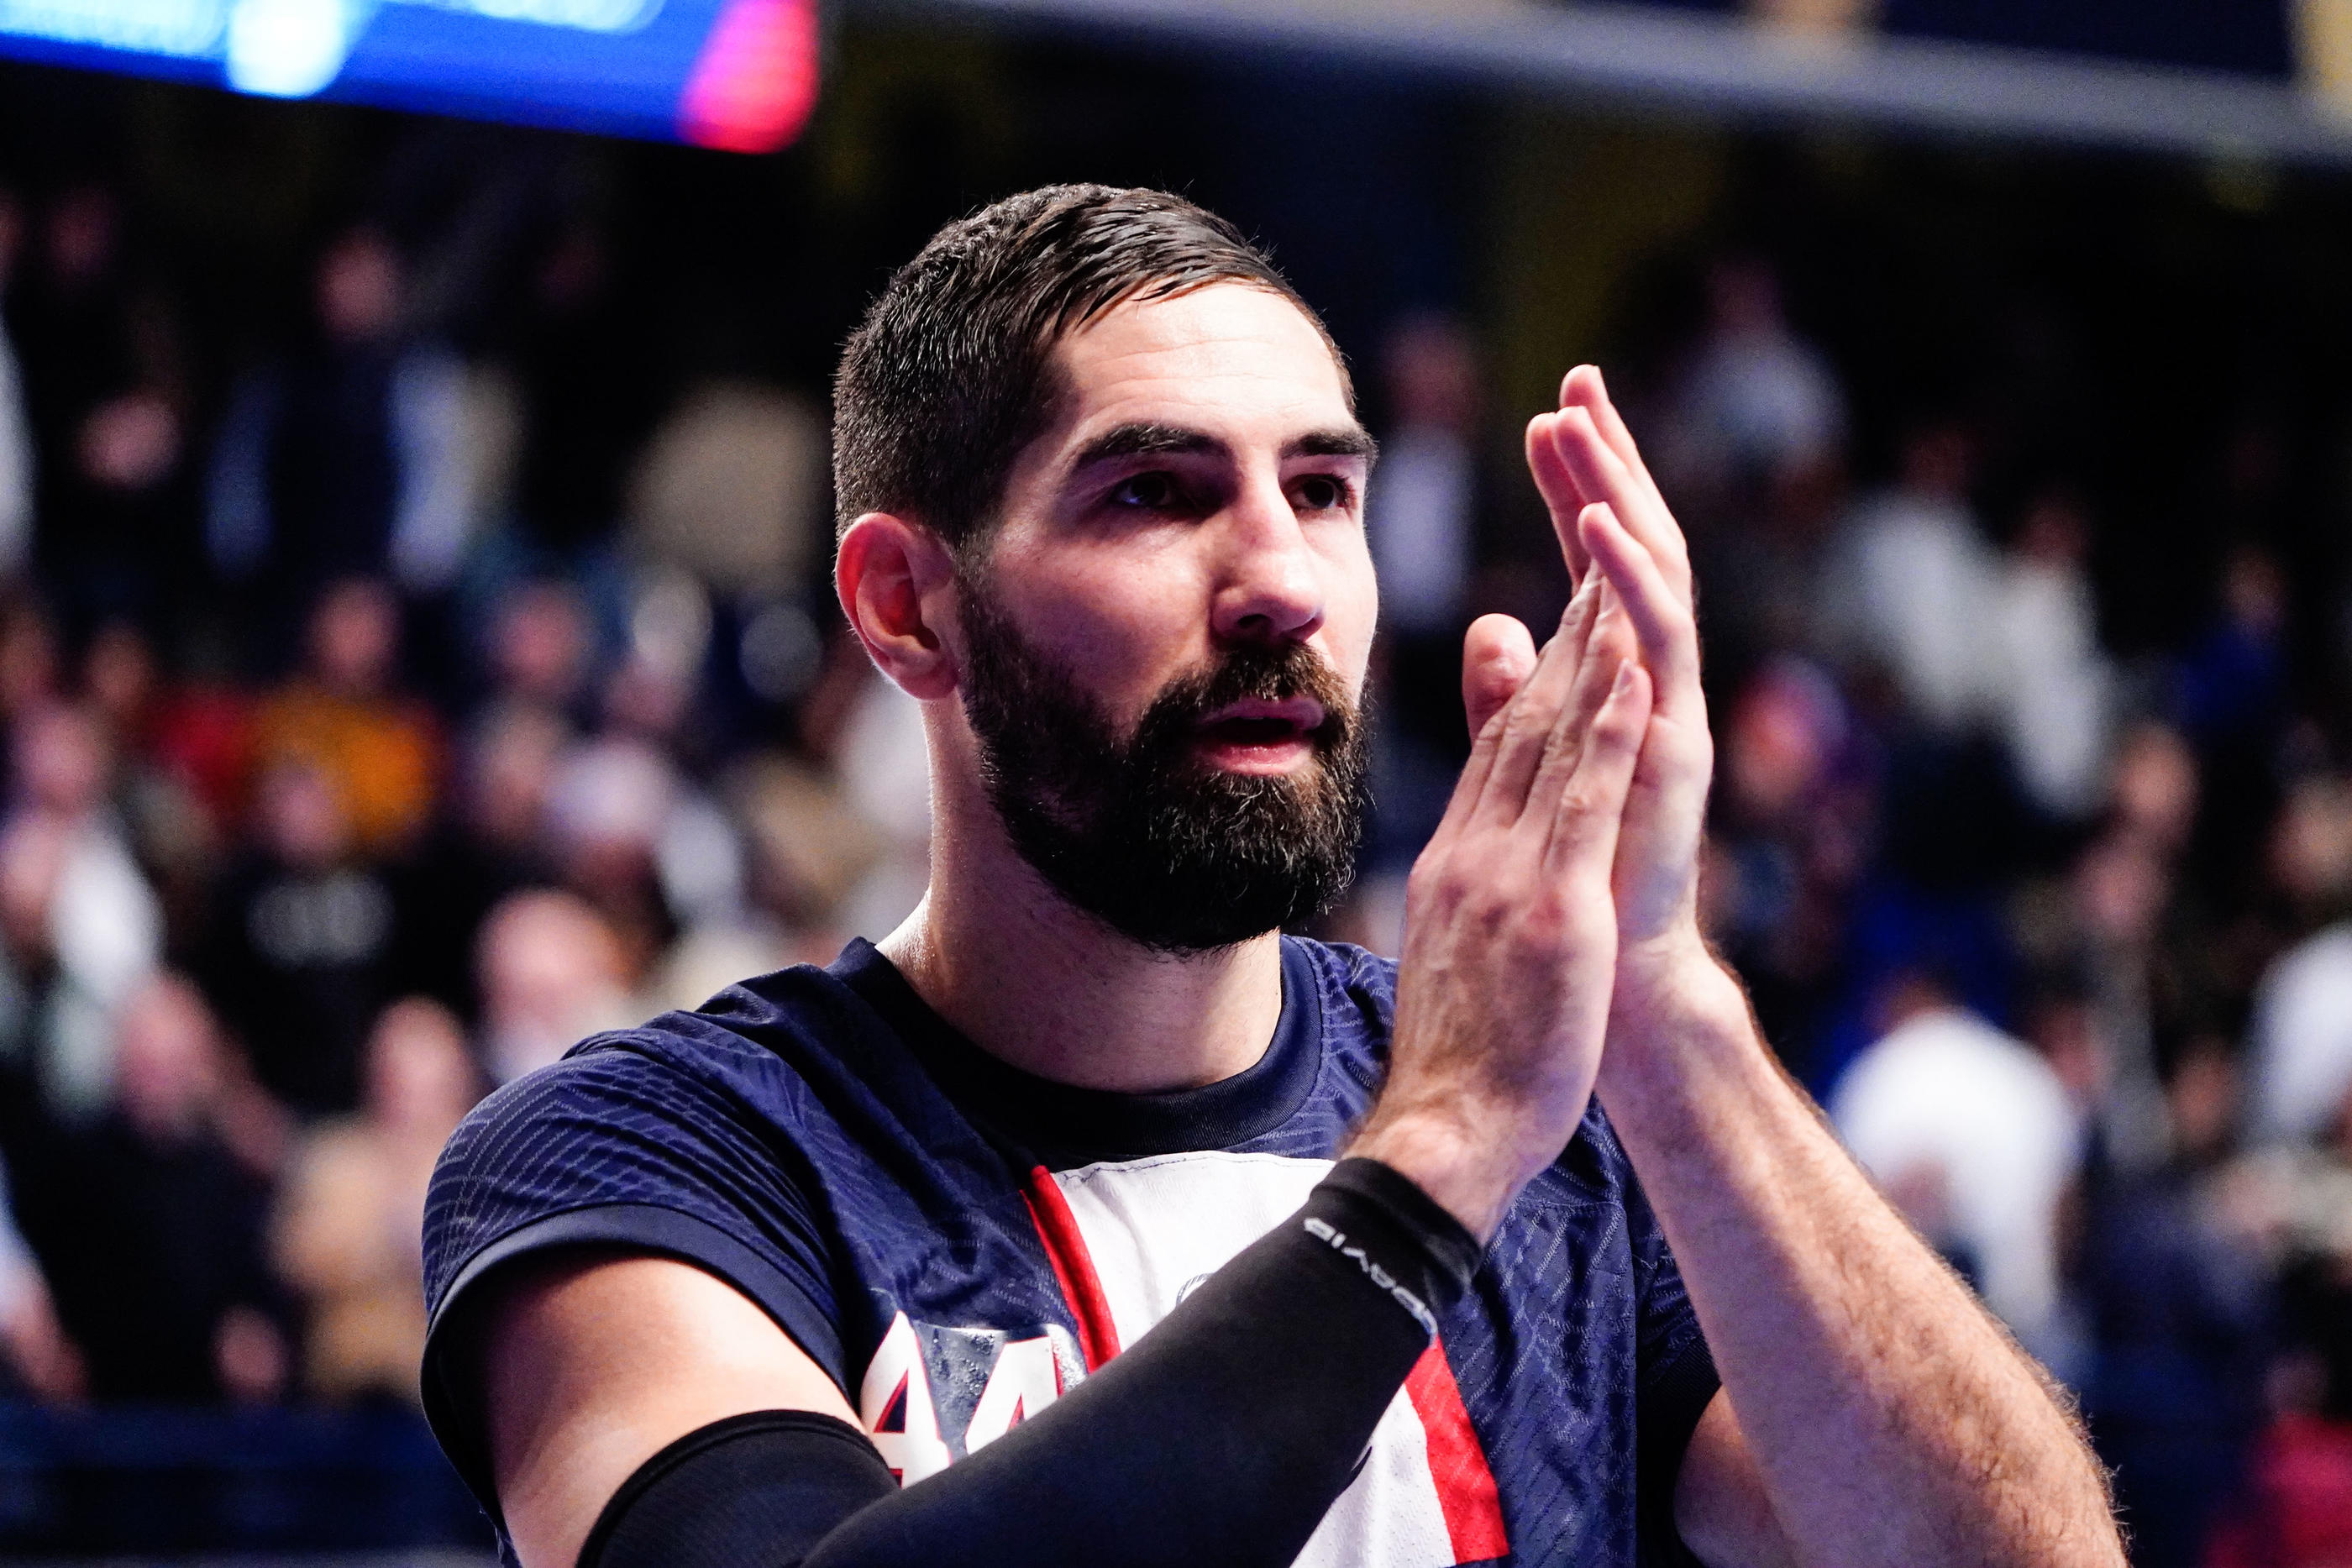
616	1148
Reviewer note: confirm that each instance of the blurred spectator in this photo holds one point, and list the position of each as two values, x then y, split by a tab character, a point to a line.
306	476
28	655
1422	524
353	1204
380	751
707	959
551	974
2230	683
364	455
631	829
174	833
1911	591
2179	1306
16	429
541	644
811	848
2310	857
1972	1136
2056	688
85	926
2230	691
149	1225
1759	406
732	487
489	844
886	777
2301	1038
2296	1511
1790	833
36	1356
1423	513
105	388
584	381
300	948
2137	939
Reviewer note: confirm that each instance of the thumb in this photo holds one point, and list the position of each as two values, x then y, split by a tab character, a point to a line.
1497	656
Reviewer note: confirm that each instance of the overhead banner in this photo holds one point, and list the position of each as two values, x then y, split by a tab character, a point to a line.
734	74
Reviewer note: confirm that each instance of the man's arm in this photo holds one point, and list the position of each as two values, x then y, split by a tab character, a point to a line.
1872	1412
1886	1416
590	1364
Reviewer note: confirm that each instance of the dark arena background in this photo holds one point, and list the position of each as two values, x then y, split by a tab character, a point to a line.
417	649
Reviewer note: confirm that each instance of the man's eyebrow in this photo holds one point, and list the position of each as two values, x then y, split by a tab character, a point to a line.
1347	441
1145	441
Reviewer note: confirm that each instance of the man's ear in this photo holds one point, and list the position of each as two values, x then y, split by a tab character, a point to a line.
897	584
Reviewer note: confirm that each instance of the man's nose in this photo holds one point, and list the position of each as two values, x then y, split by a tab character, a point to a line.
1270	588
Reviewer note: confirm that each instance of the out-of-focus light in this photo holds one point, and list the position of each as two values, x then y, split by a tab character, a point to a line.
738	75
1815	19
288	48
755	81
181	29
2322	35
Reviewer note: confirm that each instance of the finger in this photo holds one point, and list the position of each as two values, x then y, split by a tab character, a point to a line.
1589	810
1526	722
1606	650
1504	642
1612	630
1602	477
1498	654
1558	486
1661	621
1583	387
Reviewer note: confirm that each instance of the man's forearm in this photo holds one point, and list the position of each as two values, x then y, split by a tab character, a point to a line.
1892	1421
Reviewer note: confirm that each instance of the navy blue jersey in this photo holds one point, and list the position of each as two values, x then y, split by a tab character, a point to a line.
956	1242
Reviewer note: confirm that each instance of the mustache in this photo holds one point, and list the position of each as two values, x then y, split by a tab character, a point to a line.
1253	670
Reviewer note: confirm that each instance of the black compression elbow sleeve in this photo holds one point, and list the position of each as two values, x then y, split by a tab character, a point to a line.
750	1492
1223	1435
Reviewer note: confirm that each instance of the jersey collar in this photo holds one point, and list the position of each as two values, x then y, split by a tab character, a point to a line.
1064	1126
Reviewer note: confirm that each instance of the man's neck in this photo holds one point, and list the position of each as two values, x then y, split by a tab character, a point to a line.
996	952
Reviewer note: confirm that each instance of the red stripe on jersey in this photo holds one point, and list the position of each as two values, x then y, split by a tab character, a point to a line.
1057	1227
1466	1487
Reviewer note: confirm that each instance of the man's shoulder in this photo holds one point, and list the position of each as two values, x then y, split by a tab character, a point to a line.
742	1053
731	1113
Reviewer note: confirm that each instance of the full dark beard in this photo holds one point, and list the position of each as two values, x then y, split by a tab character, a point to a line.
1172	853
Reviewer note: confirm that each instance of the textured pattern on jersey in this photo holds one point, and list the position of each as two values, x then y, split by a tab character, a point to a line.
600	1129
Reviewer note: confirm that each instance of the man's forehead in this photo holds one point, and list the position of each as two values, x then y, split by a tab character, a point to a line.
1224	355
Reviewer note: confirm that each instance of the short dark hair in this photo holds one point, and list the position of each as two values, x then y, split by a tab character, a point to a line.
950	375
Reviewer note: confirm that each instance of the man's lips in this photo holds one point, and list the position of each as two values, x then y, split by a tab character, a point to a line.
1261	734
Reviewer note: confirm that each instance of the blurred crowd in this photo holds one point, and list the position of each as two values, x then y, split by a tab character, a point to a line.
376	728
391	706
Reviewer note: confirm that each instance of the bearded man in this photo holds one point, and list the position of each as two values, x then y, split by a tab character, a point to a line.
1018	1239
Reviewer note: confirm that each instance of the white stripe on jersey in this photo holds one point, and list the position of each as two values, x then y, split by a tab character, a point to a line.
1155	1227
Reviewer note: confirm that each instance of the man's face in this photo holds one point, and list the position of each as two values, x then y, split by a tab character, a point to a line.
1165	638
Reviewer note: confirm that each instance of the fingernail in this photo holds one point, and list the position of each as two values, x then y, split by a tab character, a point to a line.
1599	381
1624	681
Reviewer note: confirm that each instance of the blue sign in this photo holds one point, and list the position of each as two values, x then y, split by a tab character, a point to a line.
734	74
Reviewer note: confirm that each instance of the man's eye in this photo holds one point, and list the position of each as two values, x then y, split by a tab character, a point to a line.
1145	492
1322	493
